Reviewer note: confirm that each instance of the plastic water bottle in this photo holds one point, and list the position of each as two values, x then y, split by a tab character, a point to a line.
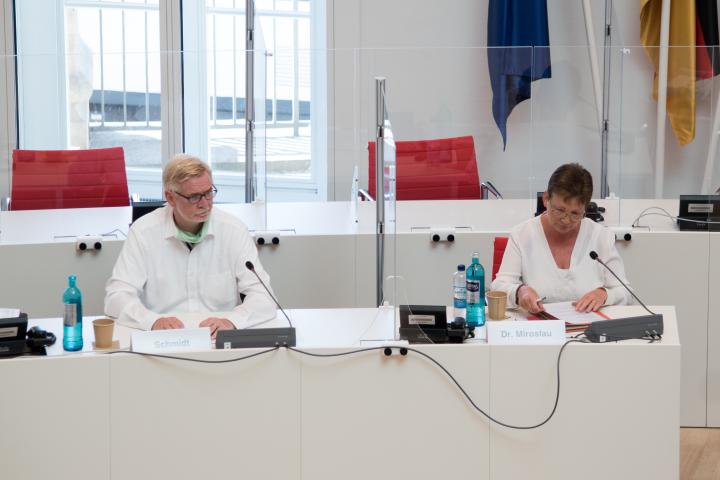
72	318
459	293
475	281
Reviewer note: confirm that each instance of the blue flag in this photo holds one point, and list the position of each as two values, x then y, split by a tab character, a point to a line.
521	24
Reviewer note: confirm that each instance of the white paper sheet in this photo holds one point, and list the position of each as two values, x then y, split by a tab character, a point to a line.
566	311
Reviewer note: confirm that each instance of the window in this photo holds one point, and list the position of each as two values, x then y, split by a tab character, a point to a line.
101	73
98	87
282	81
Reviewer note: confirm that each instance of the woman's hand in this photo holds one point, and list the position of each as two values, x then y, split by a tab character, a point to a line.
591	301
529	300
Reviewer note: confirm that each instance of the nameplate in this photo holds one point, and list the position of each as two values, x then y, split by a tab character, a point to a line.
535	332
168	341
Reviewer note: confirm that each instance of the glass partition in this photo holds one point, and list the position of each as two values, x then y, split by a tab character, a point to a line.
7	134
652	174
259	142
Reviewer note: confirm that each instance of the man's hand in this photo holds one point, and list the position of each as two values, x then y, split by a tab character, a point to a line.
591	301
167	323
529	300
216	324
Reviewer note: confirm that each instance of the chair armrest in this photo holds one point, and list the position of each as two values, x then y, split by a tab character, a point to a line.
364	195
486	188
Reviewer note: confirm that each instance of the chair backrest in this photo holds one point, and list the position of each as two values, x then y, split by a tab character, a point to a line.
498	251
47	179
441	169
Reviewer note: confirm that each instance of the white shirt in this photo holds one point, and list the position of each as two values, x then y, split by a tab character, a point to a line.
528	260
157	274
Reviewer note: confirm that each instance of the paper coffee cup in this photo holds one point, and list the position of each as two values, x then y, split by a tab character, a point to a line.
103	328
497	301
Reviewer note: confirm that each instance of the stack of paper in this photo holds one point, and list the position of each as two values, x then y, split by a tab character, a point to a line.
574	320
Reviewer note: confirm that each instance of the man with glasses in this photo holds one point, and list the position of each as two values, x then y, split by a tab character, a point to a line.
547	257
188	257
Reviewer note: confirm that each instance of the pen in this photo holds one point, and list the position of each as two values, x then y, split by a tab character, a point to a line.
540	300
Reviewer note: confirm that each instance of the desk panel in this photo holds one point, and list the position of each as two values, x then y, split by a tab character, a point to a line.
182	420
596	421
673	268
371	416
53	418
713	337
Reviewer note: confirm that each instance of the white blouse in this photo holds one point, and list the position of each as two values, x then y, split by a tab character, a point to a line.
528	260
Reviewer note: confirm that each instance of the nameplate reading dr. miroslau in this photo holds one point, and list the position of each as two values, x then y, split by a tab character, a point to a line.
536	332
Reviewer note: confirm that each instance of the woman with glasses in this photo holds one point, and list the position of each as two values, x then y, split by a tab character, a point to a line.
188	258
547	258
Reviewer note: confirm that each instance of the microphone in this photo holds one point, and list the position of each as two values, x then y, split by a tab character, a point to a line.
625	328
258	337
251	267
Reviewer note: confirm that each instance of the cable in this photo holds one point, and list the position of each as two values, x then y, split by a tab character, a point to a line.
457	384
388	350
197	360
667	214
112	233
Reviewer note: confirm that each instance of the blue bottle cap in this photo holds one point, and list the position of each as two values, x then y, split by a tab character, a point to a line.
461	268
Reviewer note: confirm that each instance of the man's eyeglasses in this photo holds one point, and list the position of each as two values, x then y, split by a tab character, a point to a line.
196	197
562	214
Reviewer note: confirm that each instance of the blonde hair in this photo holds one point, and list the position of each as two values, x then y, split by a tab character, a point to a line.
182	167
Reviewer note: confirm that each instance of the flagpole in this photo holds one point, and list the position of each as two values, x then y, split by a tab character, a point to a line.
607	62
594	65
712	151
662	98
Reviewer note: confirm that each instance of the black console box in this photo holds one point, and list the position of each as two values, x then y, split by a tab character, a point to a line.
644	326
255	338
699	213
12	334
423	323
144	207
428	324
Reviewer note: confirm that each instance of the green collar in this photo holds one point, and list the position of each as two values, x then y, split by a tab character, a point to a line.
193	238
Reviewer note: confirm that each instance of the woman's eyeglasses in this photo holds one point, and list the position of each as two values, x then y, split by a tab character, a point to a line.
562	214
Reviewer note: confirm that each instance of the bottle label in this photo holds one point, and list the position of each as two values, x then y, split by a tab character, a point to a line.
70	317
460	297
473	292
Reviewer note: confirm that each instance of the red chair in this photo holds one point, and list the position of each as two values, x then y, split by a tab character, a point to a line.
48	179
499	246
442	169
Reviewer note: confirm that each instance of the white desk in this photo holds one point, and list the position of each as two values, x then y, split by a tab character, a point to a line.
287	416
326	260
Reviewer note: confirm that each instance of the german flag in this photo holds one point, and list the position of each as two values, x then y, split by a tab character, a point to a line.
707	39
691	57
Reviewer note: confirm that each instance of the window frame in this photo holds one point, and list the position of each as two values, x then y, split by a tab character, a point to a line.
174	118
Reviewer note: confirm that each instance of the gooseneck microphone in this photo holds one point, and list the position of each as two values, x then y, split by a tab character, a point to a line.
258	337
251	267
644	326
594	256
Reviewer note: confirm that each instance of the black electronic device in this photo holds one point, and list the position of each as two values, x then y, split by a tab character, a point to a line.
644	326
699	213
12	334
144	207
539	205
428	324
256	338
594	212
